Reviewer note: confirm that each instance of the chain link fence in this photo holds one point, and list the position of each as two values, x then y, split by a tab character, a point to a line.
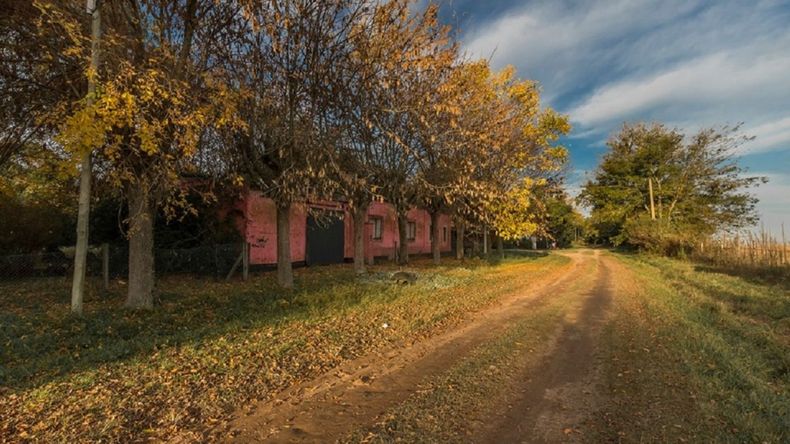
208	261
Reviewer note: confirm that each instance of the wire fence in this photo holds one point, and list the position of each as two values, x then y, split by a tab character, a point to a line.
112	261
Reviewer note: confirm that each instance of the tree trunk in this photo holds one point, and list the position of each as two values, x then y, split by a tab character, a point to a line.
285	275
83	211
359	238
141	248
403	227
459	239
485	241
435	241
500	246
534	240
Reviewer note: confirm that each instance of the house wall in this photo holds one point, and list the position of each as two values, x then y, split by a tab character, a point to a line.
260	226
261	229
389	237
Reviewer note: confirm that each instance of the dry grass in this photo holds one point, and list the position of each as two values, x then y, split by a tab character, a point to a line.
752	252
211	347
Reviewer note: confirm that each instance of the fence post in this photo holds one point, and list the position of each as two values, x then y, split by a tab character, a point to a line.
245	260
105	265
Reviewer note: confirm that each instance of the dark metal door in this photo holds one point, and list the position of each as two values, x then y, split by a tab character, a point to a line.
325	239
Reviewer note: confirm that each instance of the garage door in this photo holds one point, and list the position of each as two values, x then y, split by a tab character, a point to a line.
325	239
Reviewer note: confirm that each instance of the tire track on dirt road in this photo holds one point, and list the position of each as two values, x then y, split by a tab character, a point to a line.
559	395
356	393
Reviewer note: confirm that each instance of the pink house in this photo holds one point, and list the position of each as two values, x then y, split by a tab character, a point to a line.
330	239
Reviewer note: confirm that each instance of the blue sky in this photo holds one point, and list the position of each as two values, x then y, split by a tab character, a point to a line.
689	63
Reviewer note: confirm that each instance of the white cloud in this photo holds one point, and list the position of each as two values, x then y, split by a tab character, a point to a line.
771	135
713	80
691	64
701	63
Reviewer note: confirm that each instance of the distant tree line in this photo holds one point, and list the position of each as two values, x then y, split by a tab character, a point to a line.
302	99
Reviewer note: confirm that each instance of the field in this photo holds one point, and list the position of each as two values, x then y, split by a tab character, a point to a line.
210	347
580	346
697	355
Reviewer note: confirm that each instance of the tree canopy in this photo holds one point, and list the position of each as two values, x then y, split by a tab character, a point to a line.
301	99
662	190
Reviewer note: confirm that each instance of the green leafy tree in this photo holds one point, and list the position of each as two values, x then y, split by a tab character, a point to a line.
659	190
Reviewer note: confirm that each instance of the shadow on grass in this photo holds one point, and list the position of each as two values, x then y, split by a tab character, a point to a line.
776	276
42	342
769	308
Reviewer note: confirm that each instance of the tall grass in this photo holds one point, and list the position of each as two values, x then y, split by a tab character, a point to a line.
760	251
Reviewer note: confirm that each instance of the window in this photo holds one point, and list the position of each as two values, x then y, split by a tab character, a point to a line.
411	231
444	234
377	222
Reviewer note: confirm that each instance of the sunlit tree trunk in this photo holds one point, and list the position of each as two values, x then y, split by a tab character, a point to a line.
83	212
141	247
285	275
485	241
459	239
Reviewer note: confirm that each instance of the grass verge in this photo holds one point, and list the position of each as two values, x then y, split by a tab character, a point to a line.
696	356
211	347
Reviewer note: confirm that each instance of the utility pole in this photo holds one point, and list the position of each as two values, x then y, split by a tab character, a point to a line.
83	214
652	204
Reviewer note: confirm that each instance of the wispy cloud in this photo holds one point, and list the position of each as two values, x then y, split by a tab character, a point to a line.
700	63
688	63
717	79
768	136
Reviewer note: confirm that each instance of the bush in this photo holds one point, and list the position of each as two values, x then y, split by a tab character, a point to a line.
656	237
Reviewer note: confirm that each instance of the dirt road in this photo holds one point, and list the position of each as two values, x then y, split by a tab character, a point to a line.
546	402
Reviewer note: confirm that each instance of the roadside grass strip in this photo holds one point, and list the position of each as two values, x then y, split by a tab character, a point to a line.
697	356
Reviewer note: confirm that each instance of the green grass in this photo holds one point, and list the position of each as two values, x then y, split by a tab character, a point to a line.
209	347
697	355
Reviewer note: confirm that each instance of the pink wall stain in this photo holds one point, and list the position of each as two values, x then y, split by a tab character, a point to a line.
261	230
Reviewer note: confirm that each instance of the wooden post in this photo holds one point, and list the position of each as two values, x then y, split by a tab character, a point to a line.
105	265
245	261
652	203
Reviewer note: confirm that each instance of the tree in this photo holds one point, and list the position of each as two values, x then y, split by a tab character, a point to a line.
520	153
395	67
39	75
292	53
560	221
376	40
660	190
159	93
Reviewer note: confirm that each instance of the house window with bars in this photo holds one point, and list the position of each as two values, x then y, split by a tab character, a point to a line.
377	227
